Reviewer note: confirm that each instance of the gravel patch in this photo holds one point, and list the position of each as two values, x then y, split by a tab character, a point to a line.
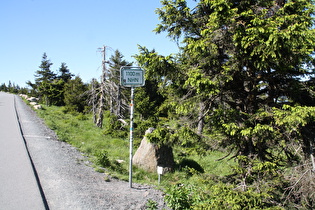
68	180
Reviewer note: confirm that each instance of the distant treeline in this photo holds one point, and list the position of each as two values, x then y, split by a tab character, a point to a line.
13	88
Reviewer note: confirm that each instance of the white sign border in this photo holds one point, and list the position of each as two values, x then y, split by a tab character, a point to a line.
124	68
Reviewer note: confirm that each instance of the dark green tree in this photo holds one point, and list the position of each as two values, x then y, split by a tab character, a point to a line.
64	76
250	66
52	91
3	87
33	88
10	87
45	74
240	61
64	73
116	61
117	95
48	85
43	80
75	95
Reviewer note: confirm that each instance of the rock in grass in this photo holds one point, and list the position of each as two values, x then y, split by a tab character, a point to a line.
149	155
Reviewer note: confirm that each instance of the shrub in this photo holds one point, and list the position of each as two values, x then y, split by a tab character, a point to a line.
102	159
217	196
114	127
151	205
179	197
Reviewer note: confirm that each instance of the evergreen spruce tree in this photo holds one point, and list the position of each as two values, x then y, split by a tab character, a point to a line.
75	95
118	95
3	87
248	66
241	62
64	73
44	74
43	80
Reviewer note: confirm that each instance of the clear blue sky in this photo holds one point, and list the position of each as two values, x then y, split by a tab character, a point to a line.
71	31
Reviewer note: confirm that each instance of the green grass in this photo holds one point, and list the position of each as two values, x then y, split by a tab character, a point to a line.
79	131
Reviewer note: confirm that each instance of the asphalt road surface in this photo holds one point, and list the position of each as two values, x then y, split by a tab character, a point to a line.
39	172
19	188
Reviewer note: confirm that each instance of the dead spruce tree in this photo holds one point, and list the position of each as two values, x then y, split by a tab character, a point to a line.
109	94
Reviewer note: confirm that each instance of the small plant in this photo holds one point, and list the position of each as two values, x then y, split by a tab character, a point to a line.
107	178
102	159
179	197
100	170
151	205
115	127
118	167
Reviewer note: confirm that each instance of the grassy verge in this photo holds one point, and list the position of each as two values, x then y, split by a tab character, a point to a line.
104	150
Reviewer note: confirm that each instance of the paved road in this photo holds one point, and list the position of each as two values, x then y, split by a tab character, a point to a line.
19	188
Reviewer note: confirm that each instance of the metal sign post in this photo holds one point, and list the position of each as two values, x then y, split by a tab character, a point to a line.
131	136
131	77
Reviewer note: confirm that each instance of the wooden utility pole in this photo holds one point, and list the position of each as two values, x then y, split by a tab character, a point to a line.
101	103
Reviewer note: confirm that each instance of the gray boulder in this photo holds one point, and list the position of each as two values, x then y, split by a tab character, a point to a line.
149	156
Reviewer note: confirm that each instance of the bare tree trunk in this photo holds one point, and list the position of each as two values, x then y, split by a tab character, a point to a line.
118	102
111	97
201	118
99	122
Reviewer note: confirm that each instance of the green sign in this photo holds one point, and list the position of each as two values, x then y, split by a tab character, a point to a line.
131	76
